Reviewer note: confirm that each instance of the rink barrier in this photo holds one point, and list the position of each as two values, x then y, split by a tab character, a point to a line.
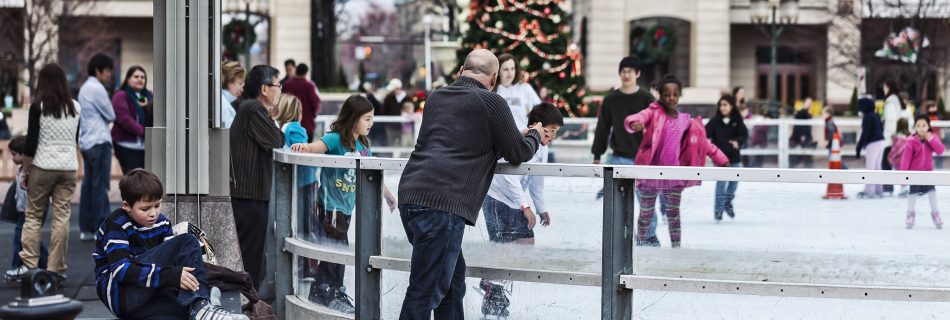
617	278
781	150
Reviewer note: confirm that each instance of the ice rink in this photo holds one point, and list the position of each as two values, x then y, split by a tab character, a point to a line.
781	233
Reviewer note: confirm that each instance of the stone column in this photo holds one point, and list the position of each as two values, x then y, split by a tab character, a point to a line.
710	68
606	44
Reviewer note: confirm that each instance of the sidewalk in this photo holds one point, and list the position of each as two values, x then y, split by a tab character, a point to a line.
81	283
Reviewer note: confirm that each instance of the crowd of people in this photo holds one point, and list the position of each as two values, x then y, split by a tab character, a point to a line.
489	115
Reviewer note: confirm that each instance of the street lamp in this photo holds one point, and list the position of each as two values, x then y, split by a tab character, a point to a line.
772	16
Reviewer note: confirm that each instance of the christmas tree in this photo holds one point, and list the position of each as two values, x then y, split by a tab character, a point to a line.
537	33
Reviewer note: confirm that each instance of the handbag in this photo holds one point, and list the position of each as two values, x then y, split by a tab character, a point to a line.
207	250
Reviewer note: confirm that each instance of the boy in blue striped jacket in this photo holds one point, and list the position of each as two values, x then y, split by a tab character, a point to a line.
142	269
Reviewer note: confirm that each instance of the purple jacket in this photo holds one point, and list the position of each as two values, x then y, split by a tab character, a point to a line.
126	126
696	146
918	156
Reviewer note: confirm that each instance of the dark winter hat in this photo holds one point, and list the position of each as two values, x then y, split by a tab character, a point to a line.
629	62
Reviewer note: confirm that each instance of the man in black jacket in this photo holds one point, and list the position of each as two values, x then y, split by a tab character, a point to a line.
466	128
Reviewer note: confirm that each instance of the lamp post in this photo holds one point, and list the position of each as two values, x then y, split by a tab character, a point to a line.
772	16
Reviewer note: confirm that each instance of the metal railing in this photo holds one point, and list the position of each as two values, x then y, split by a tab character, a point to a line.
617	278
577	136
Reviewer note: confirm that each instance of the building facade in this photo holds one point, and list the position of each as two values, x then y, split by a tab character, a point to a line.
713	45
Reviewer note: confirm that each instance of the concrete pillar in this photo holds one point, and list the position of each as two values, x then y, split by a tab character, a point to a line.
188	155
606	44
290	32
711	29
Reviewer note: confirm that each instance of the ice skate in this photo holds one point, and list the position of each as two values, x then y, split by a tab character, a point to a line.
911	216
495	303
937	220
729	210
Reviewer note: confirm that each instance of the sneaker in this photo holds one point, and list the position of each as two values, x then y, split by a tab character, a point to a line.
495	301
652	241
202	309
341	301
87	236
937	221
911	216
16	273
730	210
320	294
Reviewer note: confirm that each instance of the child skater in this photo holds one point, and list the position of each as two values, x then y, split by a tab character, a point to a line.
918	156
670	138
336	199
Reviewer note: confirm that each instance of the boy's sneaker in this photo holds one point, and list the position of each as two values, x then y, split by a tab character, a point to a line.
16	273
202	309
495	300
341	301
87	236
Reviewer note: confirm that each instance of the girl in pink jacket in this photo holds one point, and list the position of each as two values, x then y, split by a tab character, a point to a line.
670	138
918	156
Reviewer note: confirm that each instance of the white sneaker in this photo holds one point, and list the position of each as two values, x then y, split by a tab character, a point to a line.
17	272
204	310
87	236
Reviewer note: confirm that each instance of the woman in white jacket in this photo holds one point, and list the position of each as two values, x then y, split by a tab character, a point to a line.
894	110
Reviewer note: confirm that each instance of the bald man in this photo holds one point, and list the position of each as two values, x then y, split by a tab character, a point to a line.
465	129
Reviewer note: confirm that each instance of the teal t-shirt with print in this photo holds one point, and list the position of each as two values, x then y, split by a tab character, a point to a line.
338	185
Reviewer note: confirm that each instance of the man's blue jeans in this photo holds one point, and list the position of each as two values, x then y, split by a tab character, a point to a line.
437	272
94	192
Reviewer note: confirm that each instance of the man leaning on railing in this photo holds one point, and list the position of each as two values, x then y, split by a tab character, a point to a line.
447	177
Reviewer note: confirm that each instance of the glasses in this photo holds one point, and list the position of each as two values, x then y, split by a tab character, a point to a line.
274	85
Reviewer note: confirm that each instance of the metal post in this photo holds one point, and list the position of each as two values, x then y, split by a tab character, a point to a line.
619	229
427	20
368	241
279	266
784	134
773	77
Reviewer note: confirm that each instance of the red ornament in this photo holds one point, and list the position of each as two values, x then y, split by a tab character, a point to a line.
562	75
485	17
547	10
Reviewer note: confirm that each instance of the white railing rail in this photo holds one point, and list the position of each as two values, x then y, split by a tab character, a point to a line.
618	243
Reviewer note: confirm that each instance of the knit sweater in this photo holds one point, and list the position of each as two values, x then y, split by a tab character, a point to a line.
465	130
254	136
118	241
615	108
51	141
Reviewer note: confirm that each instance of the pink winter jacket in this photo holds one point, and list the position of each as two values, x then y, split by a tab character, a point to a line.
695	148
918	156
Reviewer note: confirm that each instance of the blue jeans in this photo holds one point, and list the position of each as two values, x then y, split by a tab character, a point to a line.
725	192
612	159
94	193
154	303
17	245
437	269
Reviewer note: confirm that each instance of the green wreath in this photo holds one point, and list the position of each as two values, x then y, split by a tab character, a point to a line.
656	44
238	36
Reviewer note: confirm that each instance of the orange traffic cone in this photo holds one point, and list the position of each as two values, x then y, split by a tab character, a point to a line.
835	190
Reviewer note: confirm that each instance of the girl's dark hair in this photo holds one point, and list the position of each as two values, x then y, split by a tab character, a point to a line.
735	93
259	76
670	79
891	84
505	57
128	74
52	92
926	119
353	108
734	114
546	114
